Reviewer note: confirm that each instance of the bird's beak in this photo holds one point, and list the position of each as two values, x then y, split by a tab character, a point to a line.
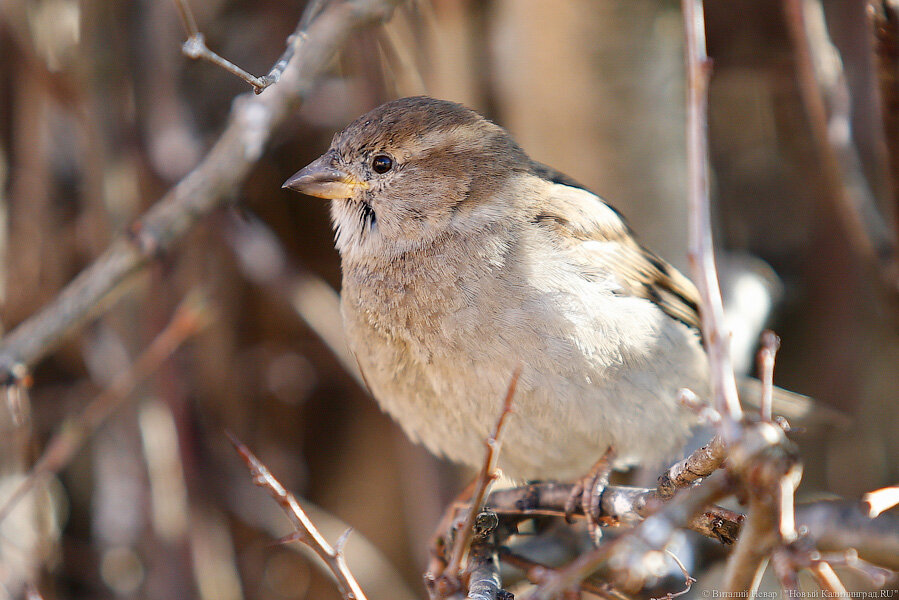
323	179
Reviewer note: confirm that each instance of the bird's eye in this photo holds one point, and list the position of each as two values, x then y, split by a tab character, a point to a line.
381	163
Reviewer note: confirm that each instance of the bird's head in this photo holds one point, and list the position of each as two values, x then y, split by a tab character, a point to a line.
409	172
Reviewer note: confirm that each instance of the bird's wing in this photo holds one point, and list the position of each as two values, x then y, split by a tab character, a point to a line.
597	234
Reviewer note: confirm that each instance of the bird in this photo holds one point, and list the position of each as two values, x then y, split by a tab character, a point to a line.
463	260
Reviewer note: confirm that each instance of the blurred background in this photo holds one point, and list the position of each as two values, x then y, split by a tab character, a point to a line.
100	114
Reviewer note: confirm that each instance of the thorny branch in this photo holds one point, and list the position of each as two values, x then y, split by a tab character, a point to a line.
207	188
306	532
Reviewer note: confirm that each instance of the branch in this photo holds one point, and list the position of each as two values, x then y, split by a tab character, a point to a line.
651	534
483	568
884	16
306	532
700	464
826	96
484	479
195	47
622	504
701	254
190	317
838	525
207	188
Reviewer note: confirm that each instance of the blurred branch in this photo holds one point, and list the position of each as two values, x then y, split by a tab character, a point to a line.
189	318
827	101
208	187
881	500
837	525
306	532
885	23
262	260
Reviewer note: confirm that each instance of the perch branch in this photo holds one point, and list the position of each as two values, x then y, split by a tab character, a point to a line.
652	533
306	532
189	318
700	464
209	186
483	570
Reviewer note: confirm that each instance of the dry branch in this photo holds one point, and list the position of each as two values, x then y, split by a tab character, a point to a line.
306	532
621	504
825	93
701	253
651	534
195	47
885	23
210	186
484	479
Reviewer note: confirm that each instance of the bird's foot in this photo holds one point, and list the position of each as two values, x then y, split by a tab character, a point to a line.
587	495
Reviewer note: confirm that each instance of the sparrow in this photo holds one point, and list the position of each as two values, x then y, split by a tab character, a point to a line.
463	259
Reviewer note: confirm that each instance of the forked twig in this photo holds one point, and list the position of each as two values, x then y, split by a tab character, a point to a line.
306	531
195	47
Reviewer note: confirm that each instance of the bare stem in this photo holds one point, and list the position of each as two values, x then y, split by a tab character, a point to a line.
484	479
767	353
306	531
701	254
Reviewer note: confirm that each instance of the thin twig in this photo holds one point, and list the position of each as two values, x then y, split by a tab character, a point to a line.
195	47
701	254
187	18
208	187
688	579
306	532
484	479
189	318
767	353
